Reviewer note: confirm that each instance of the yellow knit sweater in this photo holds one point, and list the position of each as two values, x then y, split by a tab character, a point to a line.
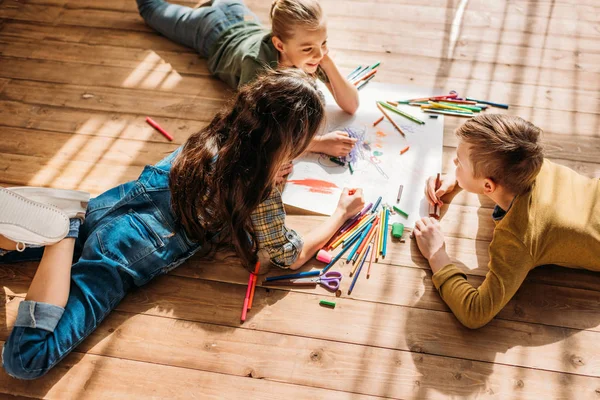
556	222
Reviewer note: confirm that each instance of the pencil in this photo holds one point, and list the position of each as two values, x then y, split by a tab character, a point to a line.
371	258
385	232
366	240
156	126
354	72
363	83
335	259
499	105
362	252
363	235
371	73
254	279
350	168
385	114
404	150
358	272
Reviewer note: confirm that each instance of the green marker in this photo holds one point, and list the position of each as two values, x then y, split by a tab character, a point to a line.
400	112
327	303
399	211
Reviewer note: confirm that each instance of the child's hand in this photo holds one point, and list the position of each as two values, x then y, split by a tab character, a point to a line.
430	240
284	171
351	202
447	184
336	144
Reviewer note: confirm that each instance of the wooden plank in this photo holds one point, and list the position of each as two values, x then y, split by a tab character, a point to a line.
89	376
191	64
434	32
354	15
142	102
305	361
184	106
93	123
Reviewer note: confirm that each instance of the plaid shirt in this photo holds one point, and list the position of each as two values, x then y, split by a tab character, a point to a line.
283	245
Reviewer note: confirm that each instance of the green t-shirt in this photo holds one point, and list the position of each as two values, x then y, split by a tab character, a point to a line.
242	52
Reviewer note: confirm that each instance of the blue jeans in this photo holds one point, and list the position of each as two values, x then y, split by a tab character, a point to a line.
198	28
129	236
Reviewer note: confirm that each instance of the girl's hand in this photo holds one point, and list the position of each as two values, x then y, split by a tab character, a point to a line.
447	184
351	202
283	172
336	144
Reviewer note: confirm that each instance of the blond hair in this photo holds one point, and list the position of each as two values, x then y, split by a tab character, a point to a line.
504	148
288	14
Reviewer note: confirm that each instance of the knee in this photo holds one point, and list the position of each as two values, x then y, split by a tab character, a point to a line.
23	358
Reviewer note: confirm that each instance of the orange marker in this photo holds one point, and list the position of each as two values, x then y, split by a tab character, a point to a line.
378	121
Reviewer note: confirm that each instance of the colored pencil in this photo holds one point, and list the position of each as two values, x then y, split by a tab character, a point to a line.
156	126
404	150
447	106
254	279
392	103
354	71
402	113
437	186
358	272
371	259
366	239
362	252
360	240
335	259
358	231
362	70
378	121
363	83
499	105
350	168
455	113
385	114
305	274
366	76
445	109
353	232
377	204
385	232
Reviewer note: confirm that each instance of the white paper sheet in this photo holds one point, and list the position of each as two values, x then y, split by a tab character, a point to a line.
316	182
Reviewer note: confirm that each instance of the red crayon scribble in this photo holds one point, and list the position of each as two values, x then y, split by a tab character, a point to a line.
315	185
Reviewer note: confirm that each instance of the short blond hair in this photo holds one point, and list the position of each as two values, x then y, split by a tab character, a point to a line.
504	148
287	14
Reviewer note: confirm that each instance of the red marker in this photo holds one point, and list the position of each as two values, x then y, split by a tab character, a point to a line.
158	128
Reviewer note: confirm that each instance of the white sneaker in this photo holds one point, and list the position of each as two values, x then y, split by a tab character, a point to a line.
71	202
26	221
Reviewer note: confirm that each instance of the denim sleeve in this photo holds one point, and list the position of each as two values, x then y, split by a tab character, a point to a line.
281	243
33	314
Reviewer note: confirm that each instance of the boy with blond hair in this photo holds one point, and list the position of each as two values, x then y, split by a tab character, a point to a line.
545	214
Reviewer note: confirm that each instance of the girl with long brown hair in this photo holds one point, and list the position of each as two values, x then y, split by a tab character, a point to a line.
217	188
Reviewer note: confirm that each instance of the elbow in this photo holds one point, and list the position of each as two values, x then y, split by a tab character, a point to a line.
475	323
352	107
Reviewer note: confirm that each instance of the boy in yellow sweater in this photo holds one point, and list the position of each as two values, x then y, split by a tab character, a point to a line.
545	214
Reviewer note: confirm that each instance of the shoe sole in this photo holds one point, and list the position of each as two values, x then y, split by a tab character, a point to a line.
71	202
25	220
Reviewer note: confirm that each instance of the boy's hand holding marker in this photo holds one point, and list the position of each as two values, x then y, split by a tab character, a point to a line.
447	185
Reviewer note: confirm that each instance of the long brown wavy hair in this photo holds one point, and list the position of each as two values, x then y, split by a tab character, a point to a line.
271	121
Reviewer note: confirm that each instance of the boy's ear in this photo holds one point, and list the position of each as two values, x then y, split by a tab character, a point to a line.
277	43
489	186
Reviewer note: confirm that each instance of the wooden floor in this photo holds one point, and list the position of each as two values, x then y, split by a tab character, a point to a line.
78	78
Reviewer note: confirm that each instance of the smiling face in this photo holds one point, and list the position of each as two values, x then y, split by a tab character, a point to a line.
304	49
